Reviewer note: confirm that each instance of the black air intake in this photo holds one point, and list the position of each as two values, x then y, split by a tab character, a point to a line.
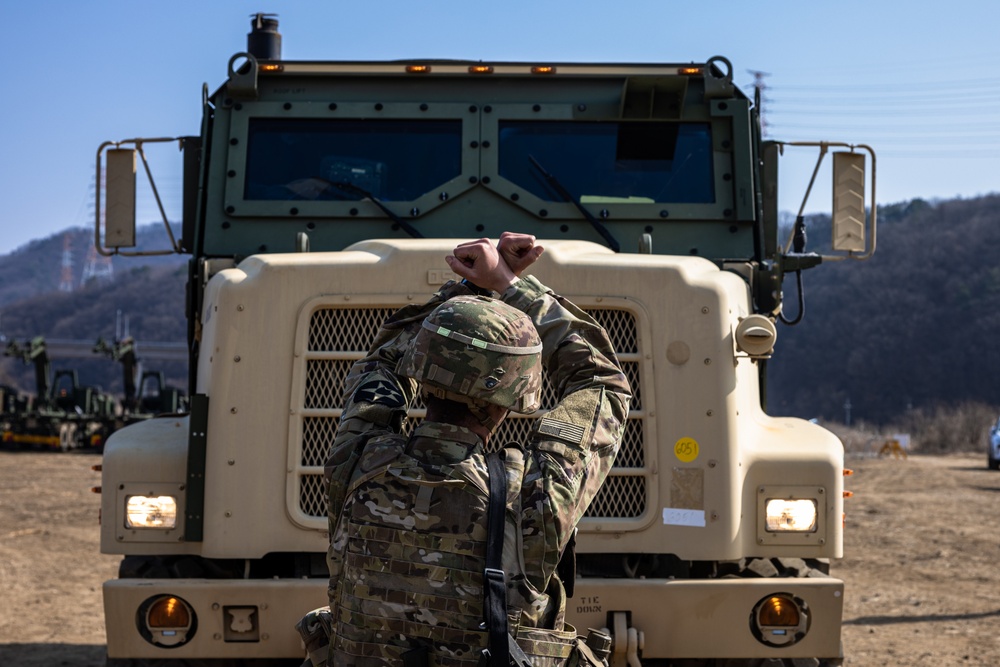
264	40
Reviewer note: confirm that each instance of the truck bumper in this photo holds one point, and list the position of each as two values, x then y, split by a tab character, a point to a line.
231	618
673	619
707	618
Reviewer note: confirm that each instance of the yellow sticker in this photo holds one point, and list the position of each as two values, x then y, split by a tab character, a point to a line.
686	449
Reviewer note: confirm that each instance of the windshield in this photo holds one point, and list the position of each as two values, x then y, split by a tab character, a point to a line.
394	160
610	162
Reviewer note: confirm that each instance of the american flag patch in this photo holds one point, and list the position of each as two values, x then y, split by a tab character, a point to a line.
562	430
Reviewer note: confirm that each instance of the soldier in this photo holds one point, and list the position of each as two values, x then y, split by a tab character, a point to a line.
408	515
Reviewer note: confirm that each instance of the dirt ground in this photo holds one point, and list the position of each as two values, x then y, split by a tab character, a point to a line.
922	575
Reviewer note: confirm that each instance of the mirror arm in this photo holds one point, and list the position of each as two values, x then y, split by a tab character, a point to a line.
156	195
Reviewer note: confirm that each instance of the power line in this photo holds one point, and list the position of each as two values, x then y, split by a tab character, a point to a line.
759	98
979	84
936	64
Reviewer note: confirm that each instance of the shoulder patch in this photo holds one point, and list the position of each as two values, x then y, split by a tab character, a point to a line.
561	430
380	392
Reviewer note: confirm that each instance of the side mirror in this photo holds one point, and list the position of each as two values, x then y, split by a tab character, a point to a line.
119	210
853	230
849	202
114	219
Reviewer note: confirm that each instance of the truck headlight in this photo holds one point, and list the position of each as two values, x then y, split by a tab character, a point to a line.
151	512
790	515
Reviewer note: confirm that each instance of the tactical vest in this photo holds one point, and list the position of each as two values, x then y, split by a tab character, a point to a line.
411	585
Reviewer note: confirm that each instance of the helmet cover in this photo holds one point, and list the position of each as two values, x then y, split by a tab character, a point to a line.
479	348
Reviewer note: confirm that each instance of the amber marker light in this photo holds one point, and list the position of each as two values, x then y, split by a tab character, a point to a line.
418	69
543	69
778	610
169	621
480	69
689	71
780	620
168	612
271	68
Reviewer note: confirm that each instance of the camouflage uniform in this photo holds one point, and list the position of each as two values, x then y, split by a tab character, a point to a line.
408	515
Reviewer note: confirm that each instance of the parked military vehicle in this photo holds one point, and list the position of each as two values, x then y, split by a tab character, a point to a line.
63	413
148	397
321	196
156	397
12	404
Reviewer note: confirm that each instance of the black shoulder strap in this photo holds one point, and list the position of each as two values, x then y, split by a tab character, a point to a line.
494	581
498	502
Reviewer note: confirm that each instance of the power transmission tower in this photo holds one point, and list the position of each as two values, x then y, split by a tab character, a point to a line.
98	267
759	98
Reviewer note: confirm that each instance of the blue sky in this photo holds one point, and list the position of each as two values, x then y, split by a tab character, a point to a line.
918	81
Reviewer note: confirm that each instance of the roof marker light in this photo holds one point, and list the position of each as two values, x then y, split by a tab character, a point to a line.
690	71
543	69
271	67
418	69
480	69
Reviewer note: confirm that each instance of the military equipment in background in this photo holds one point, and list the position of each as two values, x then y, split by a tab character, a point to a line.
149	397
320	197
155	397
12	405
63	413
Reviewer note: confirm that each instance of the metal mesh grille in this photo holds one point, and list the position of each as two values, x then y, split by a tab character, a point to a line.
317	434
351	330
325	383
620	325
631	370
623	497
631	454
345	329
312	494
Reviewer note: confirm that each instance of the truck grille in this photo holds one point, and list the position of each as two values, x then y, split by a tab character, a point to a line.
339	336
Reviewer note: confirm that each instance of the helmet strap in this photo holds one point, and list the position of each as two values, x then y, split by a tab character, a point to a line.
480	410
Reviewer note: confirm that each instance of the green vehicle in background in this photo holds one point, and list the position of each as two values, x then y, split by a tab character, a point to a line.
321	196
63	414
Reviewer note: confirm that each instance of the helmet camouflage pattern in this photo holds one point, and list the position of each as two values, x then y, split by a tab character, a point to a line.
479	348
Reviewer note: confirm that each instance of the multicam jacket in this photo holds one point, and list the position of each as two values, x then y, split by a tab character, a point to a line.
408	515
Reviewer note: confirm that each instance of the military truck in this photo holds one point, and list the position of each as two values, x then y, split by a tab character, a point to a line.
321	196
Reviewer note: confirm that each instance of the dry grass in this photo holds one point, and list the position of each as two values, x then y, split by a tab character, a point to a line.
943	429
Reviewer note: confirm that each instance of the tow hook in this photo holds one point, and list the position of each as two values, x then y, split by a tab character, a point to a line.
626	642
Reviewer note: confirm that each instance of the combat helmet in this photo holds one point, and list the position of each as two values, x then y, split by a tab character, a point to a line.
473	348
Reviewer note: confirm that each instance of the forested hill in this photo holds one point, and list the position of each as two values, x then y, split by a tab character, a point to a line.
41	266
147	293
914	327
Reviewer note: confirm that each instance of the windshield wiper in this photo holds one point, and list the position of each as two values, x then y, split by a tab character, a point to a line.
564	193
344	186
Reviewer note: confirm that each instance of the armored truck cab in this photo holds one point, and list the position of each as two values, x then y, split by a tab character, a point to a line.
322	196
